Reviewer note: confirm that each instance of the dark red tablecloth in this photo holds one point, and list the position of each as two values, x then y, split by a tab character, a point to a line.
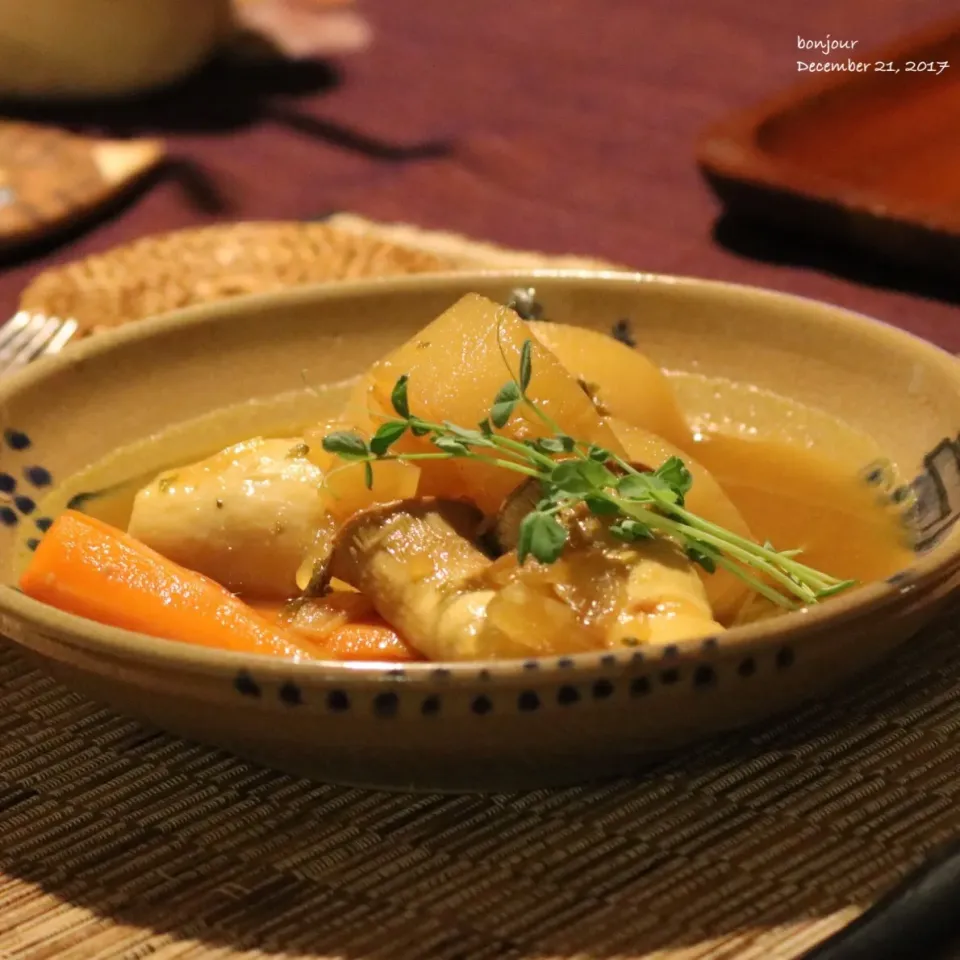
566	126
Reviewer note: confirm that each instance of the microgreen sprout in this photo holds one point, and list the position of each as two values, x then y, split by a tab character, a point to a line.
639	505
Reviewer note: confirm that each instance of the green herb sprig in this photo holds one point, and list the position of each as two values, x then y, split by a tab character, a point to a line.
639	505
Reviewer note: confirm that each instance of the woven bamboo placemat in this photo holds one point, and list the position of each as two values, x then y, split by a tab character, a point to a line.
121	842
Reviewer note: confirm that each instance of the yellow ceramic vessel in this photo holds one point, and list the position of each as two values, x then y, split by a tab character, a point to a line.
484	725
70	49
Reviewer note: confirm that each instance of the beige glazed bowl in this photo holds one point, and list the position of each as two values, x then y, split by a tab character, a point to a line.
70	49
484	725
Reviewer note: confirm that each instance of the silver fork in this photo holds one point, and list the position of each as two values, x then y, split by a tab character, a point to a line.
28	336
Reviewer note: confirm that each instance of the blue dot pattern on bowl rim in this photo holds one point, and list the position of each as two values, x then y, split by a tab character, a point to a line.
18	497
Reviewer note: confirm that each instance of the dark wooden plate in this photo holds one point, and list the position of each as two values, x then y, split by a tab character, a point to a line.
870	156
50	178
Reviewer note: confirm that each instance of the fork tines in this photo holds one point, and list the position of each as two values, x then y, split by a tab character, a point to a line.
29	336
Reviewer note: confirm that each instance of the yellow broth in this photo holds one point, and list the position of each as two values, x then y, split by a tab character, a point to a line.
794	473
800	498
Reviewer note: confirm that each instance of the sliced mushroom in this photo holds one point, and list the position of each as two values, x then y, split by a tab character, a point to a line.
523	499
413	559
506	527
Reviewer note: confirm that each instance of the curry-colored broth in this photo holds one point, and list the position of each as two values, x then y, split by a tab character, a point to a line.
794	473
798	498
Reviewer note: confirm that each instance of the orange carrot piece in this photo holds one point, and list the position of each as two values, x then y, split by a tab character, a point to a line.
89	568
369	641
345	625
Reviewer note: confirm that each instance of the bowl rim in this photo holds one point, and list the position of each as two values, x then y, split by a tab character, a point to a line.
96	638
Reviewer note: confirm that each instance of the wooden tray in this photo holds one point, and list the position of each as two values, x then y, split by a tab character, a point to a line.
870	158
50	178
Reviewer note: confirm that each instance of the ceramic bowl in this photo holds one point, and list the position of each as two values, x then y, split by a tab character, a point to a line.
475	726
75	49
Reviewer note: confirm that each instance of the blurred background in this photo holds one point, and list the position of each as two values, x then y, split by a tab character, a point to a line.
660	136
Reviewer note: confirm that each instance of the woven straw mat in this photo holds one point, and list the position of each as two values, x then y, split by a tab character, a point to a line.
160	273
121	842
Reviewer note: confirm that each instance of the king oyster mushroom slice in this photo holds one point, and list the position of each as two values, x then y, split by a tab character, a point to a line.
413	559
506	526
523	498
